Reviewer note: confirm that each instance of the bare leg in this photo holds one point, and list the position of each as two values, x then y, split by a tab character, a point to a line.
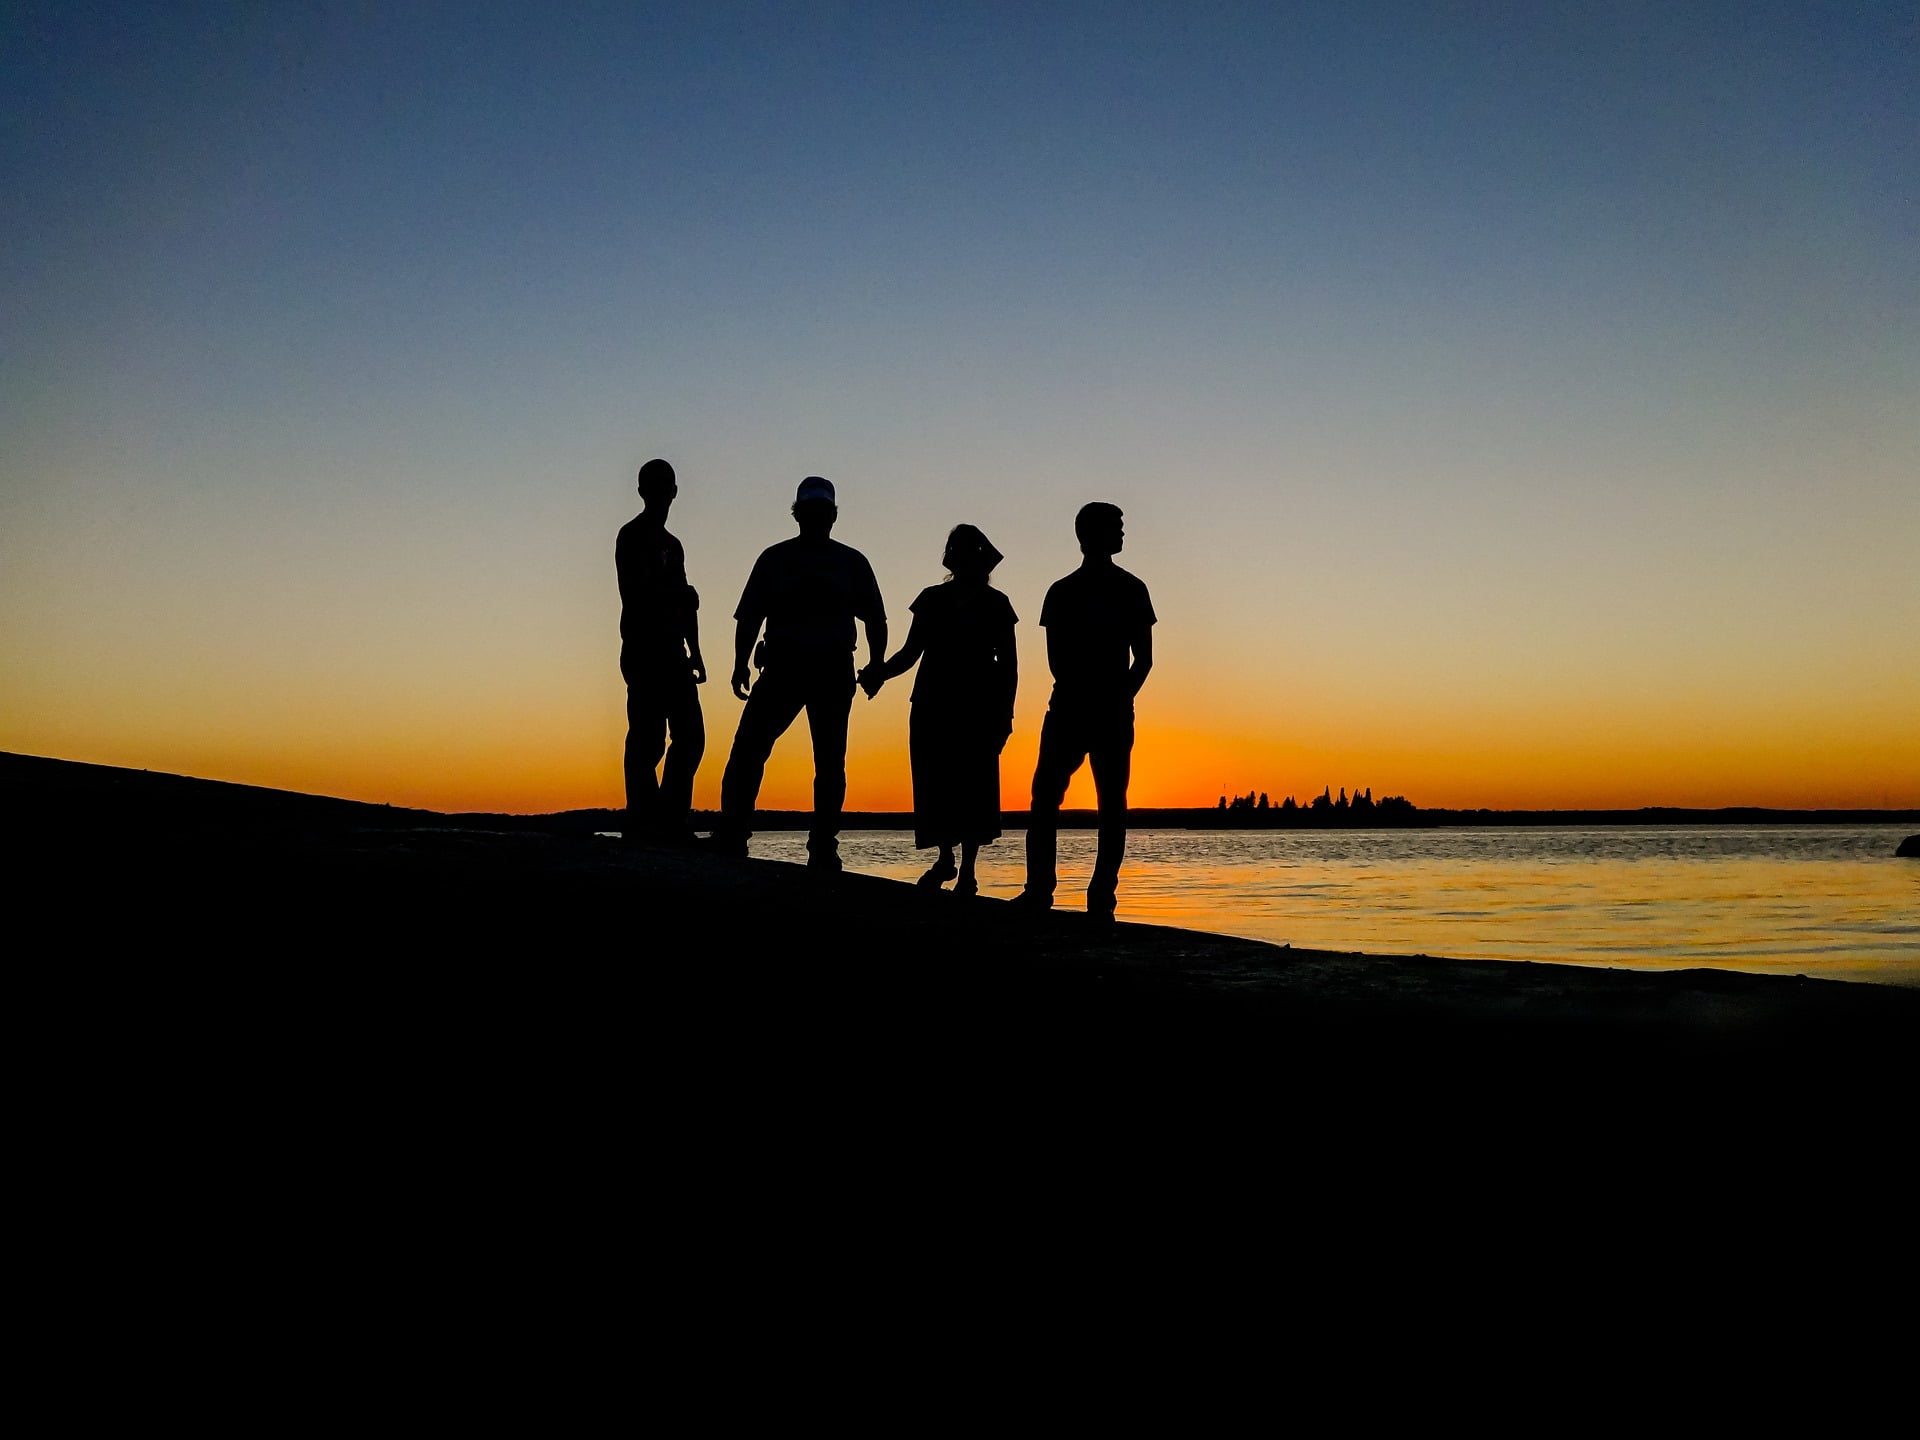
941	871
967	882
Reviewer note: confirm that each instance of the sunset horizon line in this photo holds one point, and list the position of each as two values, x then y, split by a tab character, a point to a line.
1892	807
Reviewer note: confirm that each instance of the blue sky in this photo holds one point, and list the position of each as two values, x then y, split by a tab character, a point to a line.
1473	369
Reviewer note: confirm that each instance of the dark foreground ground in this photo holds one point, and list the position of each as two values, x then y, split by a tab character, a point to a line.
287	1001
354	1081
304	966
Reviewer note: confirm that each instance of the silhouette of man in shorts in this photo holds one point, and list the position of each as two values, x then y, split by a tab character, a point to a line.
808	590
1099	622
660	661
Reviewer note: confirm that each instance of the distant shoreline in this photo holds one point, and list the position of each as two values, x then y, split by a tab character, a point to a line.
1203	819
70	785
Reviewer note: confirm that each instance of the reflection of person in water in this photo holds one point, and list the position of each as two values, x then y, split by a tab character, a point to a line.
1099	623
660	661
809	590
962	637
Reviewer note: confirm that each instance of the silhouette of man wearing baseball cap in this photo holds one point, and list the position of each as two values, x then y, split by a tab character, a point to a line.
808	591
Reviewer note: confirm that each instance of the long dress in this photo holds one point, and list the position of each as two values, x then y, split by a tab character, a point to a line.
962	711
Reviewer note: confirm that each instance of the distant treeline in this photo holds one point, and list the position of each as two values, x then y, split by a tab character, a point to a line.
1254	810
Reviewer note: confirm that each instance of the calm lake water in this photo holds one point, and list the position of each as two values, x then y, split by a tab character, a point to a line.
1825	900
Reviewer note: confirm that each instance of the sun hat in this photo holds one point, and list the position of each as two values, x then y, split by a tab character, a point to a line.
969	546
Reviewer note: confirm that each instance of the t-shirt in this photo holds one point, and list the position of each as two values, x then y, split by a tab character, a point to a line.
810	592
1091	617
656	603
968	660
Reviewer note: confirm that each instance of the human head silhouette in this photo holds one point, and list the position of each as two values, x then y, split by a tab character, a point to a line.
1100	528
658	484
969	554
814	509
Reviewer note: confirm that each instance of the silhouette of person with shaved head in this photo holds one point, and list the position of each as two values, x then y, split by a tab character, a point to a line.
1099	622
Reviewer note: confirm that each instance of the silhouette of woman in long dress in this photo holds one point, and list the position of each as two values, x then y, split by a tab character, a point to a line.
962	638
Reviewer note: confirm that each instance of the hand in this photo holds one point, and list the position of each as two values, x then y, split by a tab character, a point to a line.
741	684
871	680
697	668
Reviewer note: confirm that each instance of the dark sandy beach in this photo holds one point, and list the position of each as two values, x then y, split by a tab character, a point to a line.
396	1027
284	884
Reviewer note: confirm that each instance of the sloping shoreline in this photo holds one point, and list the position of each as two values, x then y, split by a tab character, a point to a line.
69	788
242	869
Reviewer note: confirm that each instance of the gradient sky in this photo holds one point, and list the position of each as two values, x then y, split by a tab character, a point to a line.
1511	405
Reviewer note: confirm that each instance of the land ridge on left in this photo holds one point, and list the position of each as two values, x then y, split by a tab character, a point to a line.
74	786
297	964
128	846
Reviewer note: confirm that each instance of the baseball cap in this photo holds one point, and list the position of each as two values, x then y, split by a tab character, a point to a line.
814	488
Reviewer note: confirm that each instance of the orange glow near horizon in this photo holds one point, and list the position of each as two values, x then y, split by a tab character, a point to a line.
529	768
1505	412
319	667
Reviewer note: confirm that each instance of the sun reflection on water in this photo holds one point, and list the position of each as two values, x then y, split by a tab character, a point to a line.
1814	900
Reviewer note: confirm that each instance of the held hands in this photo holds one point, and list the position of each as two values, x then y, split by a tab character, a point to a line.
871	679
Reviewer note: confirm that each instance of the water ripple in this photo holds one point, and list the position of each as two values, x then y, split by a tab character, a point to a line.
1826	900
